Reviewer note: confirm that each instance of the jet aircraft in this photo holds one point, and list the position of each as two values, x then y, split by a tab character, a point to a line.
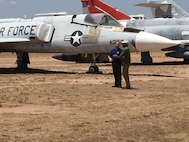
173	28
165	9
60	33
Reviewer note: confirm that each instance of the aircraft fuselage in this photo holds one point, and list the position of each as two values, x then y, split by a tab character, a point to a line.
83	33
175	29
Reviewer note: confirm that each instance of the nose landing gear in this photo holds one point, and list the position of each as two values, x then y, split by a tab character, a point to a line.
93	67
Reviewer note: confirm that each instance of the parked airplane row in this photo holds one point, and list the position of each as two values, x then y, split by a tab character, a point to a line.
80	34
175	28
170	21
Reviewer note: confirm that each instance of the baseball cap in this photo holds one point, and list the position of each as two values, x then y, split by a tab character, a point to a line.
125	41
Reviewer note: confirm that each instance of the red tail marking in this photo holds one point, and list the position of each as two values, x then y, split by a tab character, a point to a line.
96	6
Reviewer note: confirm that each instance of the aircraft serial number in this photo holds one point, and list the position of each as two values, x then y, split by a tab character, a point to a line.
18	30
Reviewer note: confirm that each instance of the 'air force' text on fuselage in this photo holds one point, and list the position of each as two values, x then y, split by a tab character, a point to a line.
19	30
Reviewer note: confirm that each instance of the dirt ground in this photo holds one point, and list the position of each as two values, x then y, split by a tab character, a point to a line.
57	101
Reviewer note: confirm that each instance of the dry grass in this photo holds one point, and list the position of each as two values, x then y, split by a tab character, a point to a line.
60	102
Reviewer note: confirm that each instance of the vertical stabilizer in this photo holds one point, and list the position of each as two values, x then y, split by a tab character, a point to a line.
97	6
85	7
89	7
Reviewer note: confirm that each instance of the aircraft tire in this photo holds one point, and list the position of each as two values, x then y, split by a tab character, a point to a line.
94	69
146	58
22	60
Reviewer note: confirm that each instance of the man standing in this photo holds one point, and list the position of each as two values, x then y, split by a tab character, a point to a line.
126	61
116	64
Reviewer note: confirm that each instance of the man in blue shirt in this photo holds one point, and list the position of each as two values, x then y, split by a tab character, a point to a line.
116	64
125	61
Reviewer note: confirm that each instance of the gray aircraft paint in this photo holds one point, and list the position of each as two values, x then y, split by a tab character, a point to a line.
71	34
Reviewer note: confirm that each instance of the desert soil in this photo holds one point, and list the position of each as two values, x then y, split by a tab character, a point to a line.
58	101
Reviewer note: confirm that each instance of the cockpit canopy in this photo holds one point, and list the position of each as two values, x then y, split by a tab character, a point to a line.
101	19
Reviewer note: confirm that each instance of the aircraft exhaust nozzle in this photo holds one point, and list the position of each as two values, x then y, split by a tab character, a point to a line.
151	42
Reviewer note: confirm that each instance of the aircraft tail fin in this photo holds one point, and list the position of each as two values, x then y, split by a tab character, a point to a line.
165	9
97	6
177	11
158	10
85	8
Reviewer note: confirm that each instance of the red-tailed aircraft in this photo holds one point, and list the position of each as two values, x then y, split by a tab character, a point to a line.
97	6
171	22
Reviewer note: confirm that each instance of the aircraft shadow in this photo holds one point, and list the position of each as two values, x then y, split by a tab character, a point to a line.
154	75
31	71
154	64
41	71
163	63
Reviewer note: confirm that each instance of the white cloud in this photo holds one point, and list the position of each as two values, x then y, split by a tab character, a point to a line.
13	2
8	2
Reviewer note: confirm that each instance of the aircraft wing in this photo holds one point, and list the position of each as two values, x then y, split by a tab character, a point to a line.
184	42
182	45
13	40
152	5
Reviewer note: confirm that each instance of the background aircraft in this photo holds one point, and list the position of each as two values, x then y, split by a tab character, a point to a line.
21	8
60	33
92	5
177	29
165	9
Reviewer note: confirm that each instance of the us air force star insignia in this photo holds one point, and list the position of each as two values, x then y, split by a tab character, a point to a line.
76	38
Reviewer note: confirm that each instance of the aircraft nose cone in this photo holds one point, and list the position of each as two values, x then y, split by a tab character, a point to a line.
151	42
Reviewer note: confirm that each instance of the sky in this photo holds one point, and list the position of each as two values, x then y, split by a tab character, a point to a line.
22	8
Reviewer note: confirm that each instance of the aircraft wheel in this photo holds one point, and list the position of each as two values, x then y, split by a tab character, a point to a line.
146	58
22	60
94	69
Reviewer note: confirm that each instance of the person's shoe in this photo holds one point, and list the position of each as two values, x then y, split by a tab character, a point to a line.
119	86
128	87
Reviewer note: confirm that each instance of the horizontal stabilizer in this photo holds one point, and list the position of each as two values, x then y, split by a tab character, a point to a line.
152	5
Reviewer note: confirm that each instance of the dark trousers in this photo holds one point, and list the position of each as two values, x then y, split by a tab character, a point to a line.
117	73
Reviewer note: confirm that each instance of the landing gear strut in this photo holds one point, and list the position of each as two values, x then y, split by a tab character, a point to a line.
22	60
186	61
93	67
146	58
